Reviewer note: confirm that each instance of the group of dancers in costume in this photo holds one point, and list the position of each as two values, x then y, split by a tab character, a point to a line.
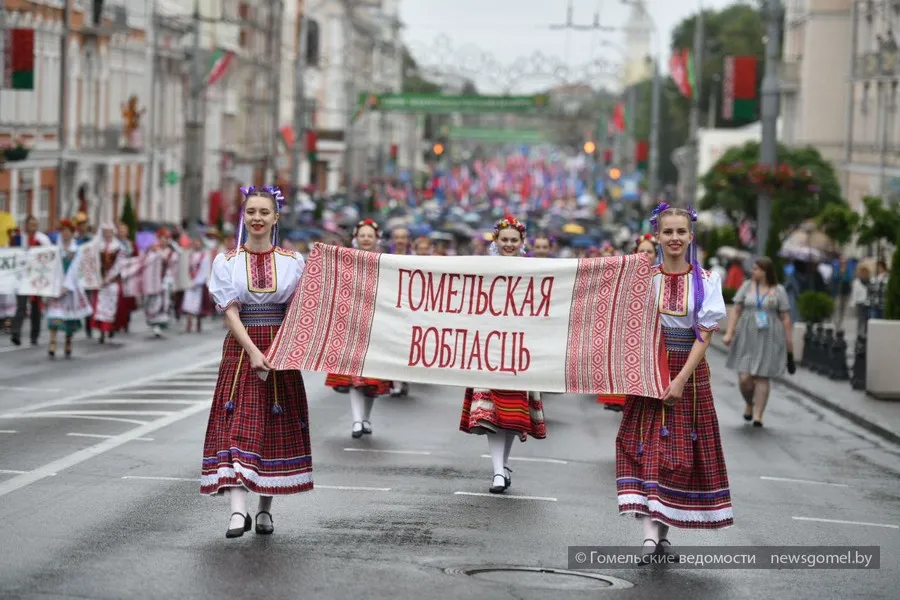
670	468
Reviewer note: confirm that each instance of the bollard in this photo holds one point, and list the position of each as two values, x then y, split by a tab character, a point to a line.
858	380
825	364
818	340
806	357
839	370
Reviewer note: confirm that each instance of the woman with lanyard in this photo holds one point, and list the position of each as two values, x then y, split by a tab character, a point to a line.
670	468
362	390
503	415
760	337
257	439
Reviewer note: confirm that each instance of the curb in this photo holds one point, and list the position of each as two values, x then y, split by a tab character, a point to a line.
870	426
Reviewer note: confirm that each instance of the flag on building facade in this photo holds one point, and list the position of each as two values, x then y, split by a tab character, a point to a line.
18	53
739	89
218	65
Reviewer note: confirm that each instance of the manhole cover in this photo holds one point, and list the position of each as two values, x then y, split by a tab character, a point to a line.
548	579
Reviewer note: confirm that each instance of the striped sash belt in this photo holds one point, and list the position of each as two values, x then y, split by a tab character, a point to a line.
678	339
263	315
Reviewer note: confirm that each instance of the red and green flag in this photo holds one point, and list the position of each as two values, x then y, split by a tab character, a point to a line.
681	69
19	59
641	155
740	100
218	65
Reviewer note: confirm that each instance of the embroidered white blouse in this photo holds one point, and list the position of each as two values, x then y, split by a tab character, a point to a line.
243	277
675	299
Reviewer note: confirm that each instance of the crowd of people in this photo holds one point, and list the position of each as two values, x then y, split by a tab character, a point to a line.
167	280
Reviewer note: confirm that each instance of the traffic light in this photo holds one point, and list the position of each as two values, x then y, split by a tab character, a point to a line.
614	174
590	147
438	149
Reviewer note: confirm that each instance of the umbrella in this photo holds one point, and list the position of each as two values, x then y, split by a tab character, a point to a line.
573	228
731	253
583	241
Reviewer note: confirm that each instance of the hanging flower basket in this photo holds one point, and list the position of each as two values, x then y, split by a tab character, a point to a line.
771	179
16	153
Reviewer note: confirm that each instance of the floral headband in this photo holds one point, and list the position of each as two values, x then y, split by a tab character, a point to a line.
366	222
271	190
647	237
506	224
665	206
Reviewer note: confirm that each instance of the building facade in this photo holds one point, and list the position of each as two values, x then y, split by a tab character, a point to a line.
872	145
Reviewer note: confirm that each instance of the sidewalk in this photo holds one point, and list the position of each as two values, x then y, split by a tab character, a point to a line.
881	417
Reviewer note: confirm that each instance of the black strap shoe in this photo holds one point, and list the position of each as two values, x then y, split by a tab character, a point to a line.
239	531
265	529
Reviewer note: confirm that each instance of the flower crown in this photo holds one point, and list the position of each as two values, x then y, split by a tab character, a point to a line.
665	206
506	224
366	222
647	237
271	190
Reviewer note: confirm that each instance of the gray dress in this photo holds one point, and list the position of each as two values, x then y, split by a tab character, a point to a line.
761	352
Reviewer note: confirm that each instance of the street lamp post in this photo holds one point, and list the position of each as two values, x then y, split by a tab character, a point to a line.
768	150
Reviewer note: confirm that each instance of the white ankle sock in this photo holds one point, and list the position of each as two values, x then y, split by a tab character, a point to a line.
357	404
496	443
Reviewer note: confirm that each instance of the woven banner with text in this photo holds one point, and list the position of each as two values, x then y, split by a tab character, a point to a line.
547	325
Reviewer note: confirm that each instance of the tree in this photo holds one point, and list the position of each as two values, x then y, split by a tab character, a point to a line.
839	222
892	294
737	30
878	224
129	218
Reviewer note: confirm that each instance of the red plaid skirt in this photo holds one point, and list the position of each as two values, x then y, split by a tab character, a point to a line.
370	387
258	431
486	411
669	460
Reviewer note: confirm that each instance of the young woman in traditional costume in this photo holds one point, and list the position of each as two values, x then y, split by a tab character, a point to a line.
127	304
257	438
158	305
66	312
193	304
503	415
670	469
362	390
106	299
646	244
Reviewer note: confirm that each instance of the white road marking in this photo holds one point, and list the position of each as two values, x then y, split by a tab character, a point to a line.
540	460
788	480
887	525
117	387
71	460
11	472
487	495
153	393
419	452
104	437
139	401
197	480
31	389
8	431
94	413
352	488
53	415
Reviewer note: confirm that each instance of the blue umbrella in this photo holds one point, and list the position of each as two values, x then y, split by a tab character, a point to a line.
583	241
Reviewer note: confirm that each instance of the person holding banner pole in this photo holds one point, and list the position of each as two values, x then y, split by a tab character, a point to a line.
646	244
502	415
670	468
362	390
66	312
32	239
257	438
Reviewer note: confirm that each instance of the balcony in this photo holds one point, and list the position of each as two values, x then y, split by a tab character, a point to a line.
106	141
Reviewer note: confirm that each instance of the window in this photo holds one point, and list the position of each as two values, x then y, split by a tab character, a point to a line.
312	43
20	210
42	210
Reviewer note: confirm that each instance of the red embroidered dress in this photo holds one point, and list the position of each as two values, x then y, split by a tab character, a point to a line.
669	460
258	431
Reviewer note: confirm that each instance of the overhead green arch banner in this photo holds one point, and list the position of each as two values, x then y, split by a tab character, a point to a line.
449	104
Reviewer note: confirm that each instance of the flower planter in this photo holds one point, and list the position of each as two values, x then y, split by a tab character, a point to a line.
882	352
15	154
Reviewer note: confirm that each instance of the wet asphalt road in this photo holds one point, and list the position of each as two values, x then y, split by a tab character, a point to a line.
99	494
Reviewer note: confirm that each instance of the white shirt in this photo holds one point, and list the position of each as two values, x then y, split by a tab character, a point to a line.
675	299
243	277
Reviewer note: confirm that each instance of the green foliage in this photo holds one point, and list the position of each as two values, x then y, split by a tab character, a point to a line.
892	295
129	218
737	30
815	307
839	222
790	207
878	224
